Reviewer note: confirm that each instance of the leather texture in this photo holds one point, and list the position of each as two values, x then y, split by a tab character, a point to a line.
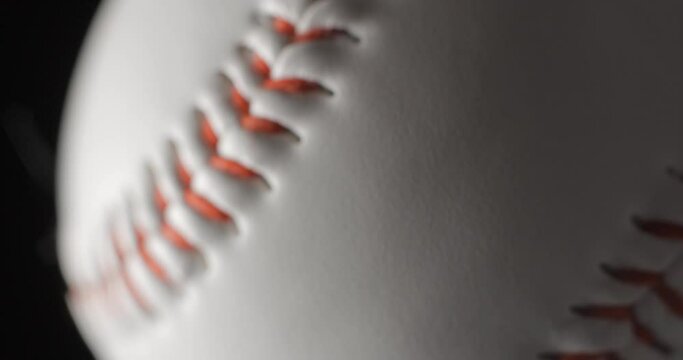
453	196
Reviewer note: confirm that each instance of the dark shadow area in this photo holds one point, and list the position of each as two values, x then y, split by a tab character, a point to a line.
39	44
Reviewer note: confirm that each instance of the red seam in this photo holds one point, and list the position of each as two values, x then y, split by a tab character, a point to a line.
178	240
198	203
167	231
232	167
238	101
318	34
209	136
661	229
125	276
261	125
134	292
205	207
249	122
222	164
149	260
183	174
291	86
627	314
284	27
160	200
654	281
260	66
581	356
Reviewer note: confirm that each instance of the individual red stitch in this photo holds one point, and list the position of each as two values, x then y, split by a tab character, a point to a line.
205	207
634	276
260	66
107	280
208	135
660	228
624	313
656	281
318	34
291	86
147	258
134	292
261	125
176	238
229	166
85	292
238	101
232	167
160	200
123	271
287	29
250	122
284	27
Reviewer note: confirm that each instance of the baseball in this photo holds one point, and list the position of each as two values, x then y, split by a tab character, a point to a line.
376	179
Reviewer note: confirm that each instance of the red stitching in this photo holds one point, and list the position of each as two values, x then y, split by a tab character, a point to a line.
260	66
233	168
198	203
320	34
201	205
149	260
176	238
662	229
655	283
183	173
291	86
160	200
238	101
134	292
205	208
167	231
228	166
209	137
125	276
284	27
627	314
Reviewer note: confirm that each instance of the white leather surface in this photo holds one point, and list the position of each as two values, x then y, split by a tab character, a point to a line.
453	199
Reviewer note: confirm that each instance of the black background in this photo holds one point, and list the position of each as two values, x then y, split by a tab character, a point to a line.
39	44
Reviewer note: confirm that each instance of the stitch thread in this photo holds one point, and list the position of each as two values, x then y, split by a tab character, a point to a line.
228	166
655	283
175	238
149	260
205	208
125	275
201	205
